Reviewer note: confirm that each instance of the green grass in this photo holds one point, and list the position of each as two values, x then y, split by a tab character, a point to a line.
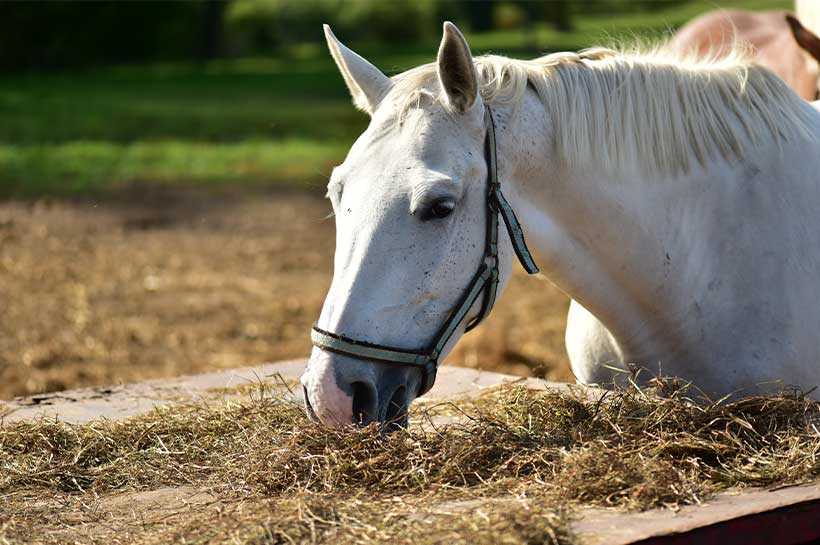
248	121
94	166
254	120
612	30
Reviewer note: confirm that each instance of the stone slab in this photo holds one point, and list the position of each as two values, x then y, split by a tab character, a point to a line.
122	401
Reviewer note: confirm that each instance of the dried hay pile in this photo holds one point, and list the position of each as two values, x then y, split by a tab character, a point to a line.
510	469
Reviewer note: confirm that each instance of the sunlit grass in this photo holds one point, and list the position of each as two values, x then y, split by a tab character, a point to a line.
82	166
263	119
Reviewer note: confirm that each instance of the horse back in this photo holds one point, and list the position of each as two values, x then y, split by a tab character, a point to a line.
765	35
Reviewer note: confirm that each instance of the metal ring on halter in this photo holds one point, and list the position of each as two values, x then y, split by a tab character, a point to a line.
484	280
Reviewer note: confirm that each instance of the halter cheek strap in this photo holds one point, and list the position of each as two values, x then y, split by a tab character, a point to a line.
485	280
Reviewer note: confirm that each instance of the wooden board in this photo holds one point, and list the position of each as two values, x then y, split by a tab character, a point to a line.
784	516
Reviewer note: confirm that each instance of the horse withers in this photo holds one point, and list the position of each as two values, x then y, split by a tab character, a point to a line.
674	202
774	39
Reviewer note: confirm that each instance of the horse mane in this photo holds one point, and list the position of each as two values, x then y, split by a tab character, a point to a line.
654	110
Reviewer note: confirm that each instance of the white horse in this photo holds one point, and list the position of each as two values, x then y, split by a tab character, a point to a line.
677	204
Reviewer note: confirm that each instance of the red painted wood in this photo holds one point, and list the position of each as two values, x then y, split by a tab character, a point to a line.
797	524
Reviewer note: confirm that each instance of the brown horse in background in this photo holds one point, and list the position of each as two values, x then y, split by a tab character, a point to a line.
777	40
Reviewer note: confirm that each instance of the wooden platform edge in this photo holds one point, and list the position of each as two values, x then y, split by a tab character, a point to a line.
758	516
797	524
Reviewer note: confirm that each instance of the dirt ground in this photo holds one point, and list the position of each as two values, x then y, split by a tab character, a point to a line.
163	282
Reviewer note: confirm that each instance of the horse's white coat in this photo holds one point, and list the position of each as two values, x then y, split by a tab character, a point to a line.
329	403
705	267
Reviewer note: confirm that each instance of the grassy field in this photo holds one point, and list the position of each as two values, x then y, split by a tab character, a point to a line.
136	275
257	121
188	242
158	281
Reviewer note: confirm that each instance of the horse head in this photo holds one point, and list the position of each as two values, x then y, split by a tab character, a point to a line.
418	258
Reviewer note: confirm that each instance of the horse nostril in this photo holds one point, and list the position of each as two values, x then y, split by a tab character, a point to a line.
364	403
396	414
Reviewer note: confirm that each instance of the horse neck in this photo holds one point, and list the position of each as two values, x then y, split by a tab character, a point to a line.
631	248
615	257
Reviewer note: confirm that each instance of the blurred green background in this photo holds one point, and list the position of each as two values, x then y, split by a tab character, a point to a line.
99	95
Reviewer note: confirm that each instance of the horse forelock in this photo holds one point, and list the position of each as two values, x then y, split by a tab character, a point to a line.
653	110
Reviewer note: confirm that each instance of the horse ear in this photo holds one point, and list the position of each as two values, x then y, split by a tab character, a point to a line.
367	85
805	38
456	70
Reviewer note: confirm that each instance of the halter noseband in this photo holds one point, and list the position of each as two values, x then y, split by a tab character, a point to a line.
485	279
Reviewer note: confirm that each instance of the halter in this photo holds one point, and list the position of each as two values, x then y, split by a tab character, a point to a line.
485	279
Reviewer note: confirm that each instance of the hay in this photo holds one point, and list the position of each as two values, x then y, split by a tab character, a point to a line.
510	469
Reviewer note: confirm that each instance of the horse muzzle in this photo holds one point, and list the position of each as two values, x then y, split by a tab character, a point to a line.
341	390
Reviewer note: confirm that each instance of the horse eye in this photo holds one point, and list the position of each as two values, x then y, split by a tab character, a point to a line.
439	209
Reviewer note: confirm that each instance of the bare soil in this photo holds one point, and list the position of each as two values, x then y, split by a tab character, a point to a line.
156	282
